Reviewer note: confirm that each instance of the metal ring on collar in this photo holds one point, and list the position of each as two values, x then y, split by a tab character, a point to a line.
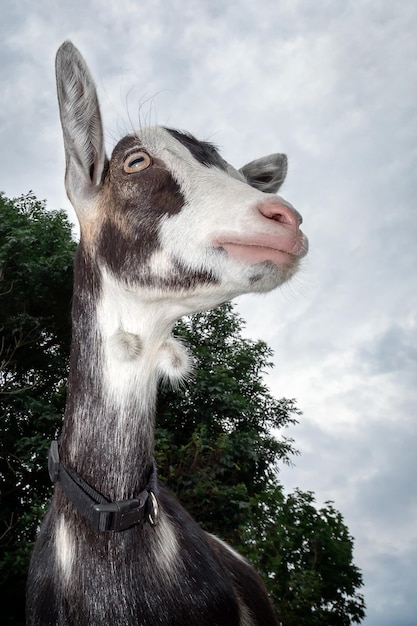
153	515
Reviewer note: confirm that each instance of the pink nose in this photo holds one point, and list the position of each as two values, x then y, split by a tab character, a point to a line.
280	211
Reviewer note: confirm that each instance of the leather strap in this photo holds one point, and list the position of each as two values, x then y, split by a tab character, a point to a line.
103	515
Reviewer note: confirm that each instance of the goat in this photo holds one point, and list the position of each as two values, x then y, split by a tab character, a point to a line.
167	228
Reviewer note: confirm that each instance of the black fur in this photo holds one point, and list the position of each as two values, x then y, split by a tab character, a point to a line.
121	585
203	151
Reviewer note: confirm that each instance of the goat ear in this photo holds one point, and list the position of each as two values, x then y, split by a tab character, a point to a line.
85	155
267	173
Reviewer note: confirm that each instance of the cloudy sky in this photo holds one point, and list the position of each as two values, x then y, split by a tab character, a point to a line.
332	84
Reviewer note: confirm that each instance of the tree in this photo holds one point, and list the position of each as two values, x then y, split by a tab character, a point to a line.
219	437
36	257
306	557
219	449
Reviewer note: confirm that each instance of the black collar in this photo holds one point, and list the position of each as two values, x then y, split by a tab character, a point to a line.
102	514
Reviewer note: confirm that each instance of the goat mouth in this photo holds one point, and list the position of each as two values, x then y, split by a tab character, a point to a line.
280	251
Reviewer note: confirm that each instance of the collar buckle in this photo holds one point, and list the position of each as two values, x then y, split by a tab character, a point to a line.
119	515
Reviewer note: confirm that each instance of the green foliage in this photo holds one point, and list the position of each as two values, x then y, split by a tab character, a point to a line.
305	555
36	257
219	437
216	437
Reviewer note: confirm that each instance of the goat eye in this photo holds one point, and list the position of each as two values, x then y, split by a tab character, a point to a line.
136	161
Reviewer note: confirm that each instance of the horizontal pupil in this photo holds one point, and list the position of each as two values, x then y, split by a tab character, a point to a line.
136	161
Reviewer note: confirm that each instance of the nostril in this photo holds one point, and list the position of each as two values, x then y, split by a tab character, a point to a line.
281	217
280	212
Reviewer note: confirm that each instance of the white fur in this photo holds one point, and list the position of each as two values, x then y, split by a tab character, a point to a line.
136	329
126	346
167	550
216	202
227	547
174	362
64	549
246	618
